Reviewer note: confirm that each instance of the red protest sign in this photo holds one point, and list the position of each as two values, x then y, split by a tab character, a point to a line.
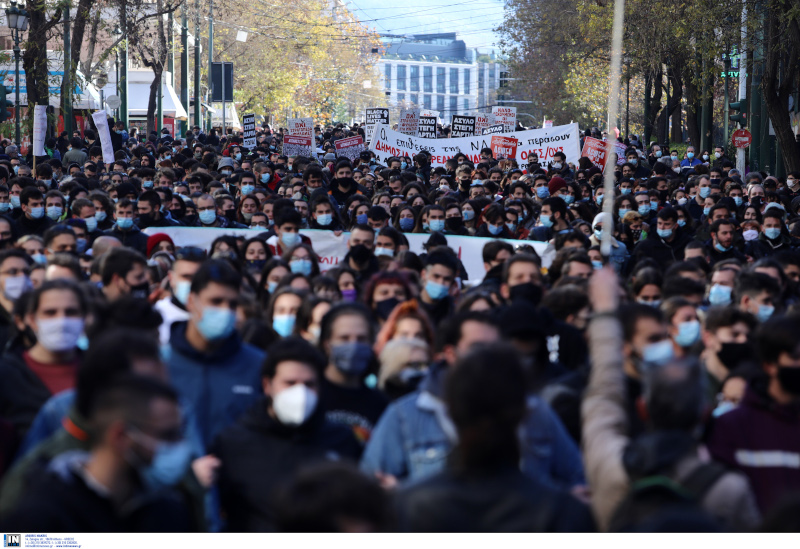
504	147
595	150
741	139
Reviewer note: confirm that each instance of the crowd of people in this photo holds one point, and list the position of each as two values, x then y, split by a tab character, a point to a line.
147	385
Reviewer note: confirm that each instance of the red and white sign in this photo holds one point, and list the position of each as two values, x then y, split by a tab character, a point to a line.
409	122
482	121
595	150
741	139
507	116
504	147
349	147
300	127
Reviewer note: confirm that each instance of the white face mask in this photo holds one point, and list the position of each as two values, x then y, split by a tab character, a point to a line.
59	334
16	286
293	406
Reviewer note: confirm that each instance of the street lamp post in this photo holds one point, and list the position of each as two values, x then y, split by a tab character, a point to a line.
117	32
17	19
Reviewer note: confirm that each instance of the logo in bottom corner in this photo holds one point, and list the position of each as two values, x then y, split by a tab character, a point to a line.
12	540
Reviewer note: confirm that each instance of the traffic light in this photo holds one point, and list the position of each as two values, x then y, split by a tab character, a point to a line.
741	108
5	114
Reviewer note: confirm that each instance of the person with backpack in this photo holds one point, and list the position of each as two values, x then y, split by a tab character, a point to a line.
663	470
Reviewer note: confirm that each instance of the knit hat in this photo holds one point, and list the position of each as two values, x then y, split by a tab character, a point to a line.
225	162
155	240
556	184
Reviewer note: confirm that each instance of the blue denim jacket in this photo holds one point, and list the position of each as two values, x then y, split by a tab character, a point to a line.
414	437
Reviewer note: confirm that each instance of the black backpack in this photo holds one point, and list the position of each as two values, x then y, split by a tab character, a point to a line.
655	495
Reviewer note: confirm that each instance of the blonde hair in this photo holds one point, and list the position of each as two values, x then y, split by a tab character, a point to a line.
395	354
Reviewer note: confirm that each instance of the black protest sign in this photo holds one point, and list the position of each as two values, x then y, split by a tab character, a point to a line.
427	127
462	126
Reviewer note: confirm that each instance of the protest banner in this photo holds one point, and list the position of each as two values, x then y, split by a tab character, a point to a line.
547	124
462	126
595	150
428	112
104	134
507	116
249	131
299	137
620	150
409	122
373	117
39	129
427	127
544	143
482	121
503	147
349	147
332	249
494	128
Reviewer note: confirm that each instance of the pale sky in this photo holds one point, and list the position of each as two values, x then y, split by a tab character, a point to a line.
473	20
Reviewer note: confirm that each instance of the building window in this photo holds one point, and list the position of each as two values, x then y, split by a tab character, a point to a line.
440	79
414	87
454	81
401	97
415	99
466	104
427	101
401	77
453	104
388	72
466	81
427	83
440	102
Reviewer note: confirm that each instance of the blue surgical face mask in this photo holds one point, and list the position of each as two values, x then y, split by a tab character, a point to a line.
545	220
91	224
302	266
674	157
248	189
512	227
664	233
265	177
772	233
656	303
100	216
403	165
542	192
407	223
437	225
216	323
37	213
181	291
657	154
681	222
283	324
738	201
169	465
362	219
435	290
468	215
568	198
207	217
706	211
598	233
494	229
689	155
4	207
125	223
633	162
324	219
291	239
426	226
625	190
597	265
688	333
272	286
653	205
764	312
599	199
622	212
54	212
658	353
704	192
14	201
720	248
720	295
644	209
238	157
147	184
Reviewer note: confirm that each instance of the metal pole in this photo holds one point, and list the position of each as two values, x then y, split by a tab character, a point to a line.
726	117
628	108
647	129
171	49
123	84
197	112
116	80
667	113
16	103
211	46
66	101
740	156
613	107
223	100
184	68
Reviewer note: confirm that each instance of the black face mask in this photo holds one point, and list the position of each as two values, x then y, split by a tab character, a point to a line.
734	354
141	291
231	215
789	378
361	255
454	224
384	308
528	291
